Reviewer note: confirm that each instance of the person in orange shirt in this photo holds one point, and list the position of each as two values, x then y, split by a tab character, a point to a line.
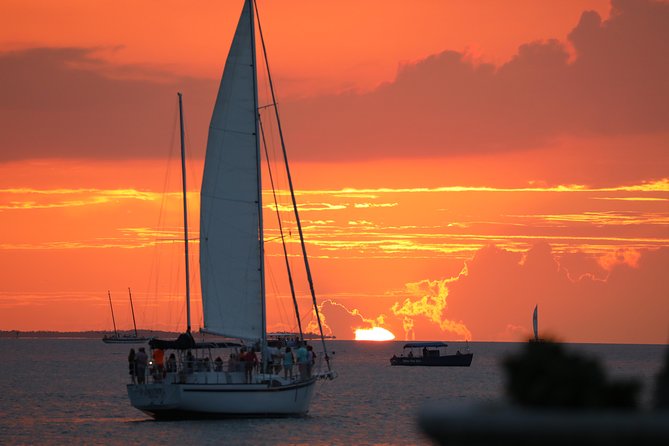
158	363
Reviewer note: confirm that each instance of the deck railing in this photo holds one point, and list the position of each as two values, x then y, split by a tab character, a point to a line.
229	371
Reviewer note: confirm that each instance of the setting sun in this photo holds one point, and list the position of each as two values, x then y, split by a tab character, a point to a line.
373	334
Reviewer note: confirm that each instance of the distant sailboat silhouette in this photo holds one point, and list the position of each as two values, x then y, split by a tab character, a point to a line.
535	324
117	338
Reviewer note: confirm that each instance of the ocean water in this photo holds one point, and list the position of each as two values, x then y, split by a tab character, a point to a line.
59	391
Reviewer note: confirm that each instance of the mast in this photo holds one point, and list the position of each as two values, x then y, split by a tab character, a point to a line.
292	195
132	309
112	311
183	183
261	233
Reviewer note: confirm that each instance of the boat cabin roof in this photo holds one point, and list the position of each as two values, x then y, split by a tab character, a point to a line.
425	344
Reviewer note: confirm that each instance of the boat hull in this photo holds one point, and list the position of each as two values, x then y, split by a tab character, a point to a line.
206	400
125	340
463	360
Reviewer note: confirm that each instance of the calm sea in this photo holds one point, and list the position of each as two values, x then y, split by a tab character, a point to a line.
58	391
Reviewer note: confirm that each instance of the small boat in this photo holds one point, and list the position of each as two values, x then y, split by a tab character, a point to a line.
191	383
432	354
118	338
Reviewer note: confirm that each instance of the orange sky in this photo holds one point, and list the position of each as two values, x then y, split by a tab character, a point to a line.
456	163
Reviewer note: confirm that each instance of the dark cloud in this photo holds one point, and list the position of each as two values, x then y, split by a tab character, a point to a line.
617	84
628	304
65	102
340	321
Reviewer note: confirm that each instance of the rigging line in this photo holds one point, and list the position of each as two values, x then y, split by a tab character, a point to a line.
157	257
292	191
283	240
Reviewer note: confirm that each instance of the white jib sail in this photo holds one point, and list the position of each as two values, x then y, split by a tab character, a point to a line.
230	263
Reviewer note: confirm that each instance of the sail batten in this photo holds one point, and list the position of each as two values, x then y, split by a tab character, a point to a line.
230	248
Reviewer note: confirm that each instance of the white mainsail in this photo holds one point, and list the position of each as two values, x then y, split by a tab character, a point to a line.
230	248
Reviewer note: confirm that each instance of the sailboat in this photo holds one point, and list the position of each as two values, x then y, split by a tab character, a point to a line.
117	338
192	383
535	324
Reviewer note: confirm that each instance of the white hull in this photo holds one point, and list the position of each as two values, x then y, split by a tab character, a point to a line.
221	399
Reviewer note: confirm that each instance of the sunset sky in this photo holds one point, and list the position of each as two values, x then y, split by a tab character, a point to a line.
456	163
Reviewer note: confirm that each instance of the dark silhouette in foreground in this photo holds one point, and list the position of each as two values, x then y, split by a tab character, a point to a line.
661	400
555	397
546	374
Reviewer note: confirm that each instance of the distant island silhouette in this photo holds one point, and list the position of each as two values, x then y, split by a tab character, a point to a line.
93	334
89	334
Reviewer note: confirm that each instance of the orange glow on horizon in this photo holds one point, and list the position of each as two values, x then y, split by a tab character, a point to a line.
373	334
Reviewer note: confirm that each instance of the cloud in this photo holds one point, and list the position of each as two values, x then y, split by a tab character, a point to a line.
449	104
68	103
622	300
342	322
25	199
616	297
430	303
609	80
628	257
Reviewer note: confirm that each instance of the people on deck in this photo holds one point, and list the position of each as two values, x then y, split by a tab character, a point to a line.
218	364
141	361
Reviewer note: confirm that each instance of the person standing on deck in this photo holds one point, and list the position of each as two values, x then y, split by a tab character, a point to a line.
159	362
250	362
131	365
141	361
311	360
172	363
288	361
302	358
276	360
